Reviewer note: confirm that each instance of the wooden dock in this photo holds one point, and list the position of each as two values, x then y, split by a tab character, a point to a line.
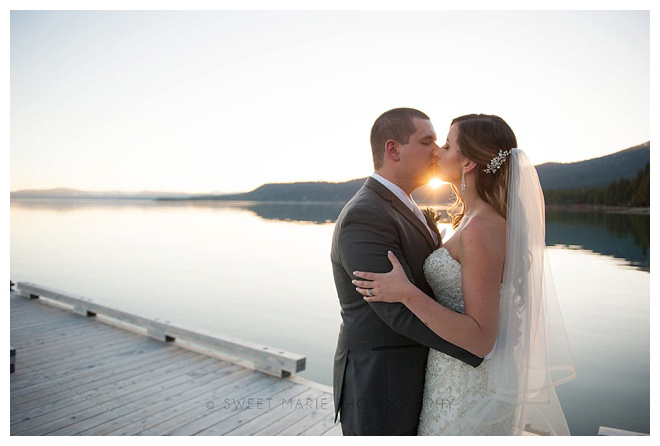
77	376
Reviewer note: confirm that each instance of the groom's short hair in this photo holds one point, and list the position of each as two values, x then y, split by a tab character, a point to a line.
396	124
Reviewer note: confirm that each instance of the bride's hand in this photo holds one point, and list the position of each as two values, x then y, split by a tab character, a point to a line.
388	287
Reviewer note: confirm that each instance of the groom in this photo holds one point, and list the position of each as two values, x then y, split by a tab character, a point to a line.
380	360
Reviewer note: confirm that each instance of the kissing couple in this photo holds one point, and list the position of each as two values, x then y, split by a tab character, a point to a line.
456	337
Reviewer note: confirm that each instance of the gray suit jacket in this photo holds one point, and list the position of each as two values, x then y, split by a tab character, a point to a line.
380	360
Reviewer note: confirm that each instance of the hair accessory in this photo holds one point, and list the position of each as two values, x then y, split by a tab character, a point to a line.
497	161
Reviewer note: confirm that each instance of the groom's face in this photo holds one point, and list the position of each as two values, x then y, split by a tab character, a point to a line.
419	155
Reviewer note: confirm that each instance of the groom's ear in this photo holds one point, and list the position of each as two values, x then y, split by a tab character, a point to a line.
392	150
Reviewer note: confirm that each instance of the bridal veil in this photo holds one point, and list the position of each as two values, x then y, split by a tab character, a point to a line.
532	354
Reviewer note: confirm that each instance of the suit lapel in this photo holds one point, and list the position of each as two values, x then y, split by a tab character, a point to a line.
402	209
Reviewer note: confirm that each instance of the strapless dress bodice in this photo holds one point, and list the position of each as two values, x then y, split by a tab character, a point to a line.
443	274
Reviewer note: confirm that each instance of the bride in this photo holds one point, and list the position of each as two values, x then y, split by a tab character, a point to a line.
494	291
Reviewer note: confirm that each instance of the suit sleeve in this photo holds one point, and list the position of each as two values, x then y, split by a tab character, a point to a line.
365	237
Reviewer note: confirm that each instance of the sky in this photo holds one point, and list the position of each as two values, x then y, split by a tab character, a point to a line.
224	101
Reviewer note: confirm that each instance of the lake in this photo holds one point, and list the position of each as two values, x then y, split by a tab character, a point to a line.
261	272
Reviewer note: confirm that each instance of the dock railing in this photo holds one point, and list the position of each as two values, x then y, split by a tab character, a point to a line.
270	360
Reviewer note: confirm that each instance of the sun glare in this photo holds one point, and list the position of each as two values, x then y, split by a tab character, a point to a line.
435	183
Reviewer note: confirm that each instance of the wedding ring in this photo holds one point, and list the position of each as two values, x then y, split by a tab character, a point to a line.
369	293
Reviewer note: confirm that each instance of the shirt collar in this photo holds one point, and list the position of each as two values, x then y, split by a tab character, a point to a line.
396	190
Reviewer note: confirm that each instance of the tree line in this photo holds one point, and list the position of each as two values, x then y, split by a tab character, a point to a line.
635	192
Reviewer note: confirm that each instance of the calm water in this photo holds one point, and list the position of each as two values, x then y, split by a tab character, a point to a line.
262	272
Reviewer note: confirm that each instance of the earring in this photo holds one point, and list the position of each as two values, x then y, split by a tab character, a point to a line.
463	182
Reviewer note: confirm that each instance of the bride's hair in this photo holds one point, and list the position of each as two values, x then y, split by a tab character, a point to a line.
480	138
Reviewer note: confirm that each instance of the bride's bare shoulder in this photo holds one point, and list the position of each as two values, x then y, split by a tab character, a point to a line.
485	229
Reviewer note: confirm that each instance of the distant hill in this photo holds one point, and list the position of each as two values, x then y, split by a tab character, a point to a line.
597	172
309	191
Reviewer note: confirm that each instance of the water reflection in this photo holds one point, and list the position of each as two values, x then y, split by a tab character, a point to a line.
623	236
318	213
308	212
67	205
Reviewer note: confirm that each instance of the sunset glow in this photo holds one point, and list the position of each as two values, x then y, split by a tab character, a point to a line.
435	183
203	101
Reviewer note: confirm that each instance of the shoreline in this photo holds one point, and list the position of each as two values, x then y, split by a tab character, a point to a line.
599	208
560	207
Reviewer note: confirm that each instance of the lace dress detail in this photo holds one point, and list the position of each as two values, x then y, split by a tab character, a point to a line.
452	387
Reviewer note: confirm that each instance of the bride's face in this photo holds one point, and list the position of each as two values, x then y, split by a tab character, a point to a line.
450	159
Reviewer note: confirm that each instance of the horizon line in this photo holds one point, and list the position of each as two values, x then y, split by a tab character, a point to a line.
145	191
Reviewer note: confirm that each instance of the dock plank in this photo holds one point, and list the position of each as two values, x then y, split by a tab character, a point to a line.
108	395
60	368
76	375
246	406
321	427
147	421
98	381
135	354
197	407
103	367
192	422
333	431
315	414
109	405
248	422
297	411
156	402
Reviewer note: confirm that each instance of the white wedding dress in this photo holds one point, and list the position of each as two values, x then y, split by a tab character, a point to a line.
452	387
512	392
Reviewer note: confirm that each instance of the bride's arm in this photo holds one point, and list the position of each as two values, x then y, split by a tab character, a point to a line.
482	247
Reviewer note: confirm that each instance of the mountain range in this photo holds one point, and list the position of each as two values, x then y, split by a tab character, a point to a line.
596	172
